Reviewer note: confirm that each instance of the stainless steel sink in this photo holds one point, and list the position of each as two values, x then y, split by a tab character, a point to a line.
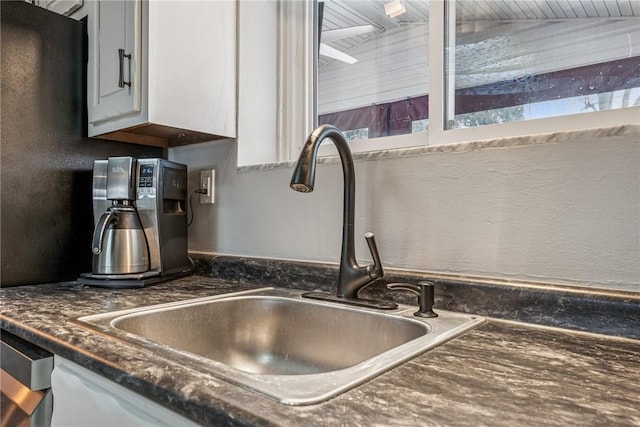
294	350
273	335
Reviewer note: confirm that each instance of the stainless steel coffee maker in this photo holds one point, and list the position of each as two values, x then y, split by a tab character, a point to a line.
139	209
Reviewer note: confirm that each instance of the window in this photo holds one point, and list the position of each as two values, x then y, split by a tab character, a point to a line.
403	73
437	72
372	65
525	60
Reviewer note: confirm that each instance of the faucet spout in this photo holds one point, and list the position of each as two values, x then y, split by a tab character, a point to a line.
352	277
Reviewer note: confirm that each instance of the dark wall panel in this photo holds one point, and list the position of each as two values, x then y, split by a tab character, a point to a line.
46	161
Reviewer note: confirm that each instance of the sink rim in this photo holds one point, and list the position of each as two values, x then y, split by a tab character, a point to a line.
299	389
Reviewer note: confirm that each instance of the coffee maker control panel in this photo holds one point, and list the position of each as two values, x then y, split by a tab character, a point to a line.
145	180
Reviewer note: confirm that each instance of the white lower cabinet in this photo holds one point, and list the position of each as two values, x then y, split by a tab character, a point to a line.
82	398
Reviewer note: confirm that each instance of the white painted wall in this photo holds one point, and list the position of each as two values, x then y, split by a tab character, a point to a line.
564	212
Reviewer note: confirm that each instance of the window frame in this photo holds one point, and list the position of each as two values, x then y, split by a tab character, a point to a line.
441	13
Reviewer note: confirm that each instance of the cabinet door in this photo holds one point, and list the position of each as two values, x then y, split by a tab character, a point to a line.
114	78
84	398
63	7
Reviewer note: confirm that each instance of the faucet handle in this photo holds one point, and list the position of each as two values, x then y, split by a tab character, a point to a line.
375	271
425	293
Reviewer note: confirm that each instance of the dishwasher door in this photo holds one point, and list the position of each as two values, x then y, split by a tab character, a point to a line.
25	383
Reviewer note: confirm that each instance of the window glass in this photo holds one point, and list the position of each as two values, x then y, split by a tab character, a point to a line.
527	59
372	76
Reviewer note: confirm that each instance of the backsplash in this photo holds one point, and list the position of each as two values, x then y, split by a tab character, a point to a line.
558	211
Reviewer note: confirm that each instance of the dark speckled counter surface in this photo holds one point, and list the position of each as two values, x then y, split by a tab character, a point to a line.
502	373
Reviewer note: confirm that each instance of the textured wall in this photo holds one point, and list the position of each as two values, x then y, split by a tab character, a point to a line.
46	219
566	212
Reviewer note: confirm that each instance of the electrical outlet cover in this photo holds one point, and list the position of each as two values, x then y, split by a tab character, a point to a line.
207	184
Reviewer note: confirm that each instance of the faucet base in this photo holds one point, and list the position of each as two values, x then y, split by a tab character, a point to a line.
359	302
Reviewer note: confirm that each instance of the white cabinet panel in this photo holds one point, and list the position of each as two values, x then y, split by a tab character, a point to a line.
83	398
191	83
114	59
63	7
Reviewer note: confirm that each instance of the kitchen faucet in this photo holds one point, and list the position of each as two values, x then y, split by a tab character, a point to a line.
352	277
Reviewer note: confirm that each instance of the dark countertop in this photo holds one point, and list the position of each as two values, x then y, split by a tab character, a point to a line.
501	373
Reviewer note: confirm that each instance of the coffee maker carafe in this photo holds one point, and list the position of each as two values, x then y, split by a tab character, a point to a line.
119	244
139	209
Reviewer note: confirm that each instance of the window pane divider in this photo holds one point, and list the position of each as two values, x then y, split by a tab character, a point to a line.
437	89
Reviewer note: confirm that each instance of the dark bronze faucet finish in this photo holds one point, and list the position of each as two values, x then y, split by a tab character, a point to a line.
352	277
425	293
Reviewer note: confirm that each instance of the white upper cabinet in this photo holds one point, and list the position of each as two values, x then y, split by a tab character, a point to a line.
63	7
162	72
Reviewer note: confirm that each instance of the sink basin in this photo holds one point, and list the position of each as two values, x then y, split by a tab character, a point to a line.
273	341
273	335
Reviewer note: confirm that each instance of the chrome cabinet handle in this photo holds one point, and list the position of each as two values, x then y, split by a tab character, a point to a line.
122	55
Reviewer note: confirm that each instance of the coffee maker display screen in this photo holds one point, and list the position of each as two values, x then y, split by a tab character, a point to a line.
146	176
